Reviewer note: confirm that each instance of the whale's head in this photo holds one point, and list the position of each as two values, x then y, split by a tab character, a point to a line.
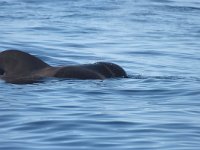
14	63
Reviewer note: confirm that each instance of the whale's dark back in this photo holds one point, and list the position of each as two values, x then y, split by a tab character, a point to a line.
20	67
14	62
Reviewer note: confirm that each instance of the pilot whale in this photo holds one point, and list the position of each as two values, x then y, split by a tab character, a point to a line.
19	67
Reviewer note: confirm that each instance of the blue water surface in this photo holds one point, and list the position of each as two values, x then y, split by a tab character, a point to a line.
155	41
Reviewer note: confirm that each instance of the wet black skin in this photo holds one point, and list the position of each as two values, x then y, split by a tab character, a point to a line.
19	67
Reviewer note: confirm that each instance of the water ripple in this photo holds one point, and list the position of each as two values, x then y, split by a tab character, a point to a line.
156	42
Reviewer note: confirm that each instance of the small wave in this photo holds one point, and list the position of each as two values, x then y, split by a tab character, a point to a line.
163	1
164	78
156	77
181	8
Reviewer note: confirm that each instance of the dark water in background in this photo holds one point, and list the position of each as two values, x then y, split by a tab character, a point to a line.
156	41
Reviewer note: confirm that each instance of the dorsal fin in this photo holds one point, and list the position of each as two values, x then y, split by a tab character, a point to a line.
15	62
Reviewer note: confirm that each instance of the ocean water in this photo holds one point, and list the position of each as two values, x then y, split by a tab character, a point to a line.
155	41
